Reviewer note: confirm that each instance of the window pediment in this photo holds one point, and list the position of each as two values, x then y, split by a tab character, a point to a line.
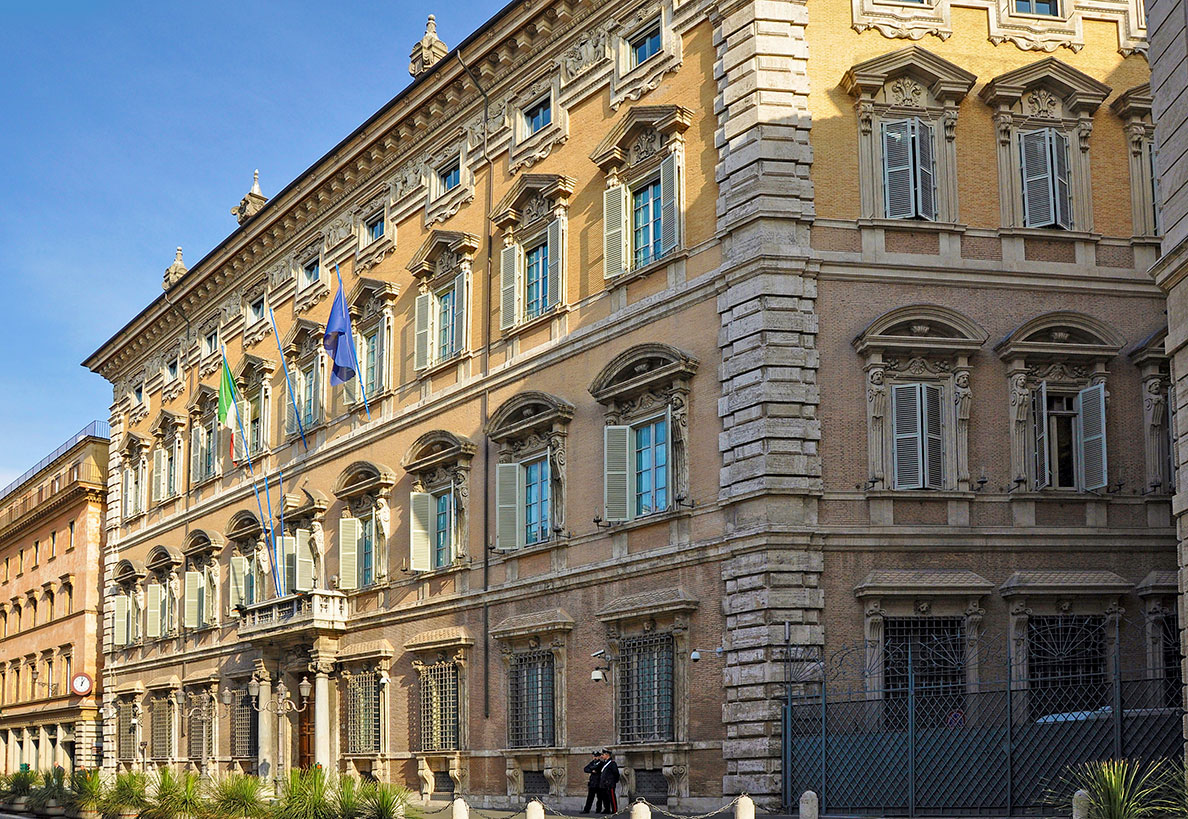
548	621
129	571
444	251
203	399
1062	336
644	132
1152	350
1047	89
435	449
1158	583
131	445
166	425
534	197
930	79
921	330
369	297
1134	103
527	413
441	639
200	542
922	583
243	525
164	558
1062	582
254	369
648	604
362	477
303	338
641	369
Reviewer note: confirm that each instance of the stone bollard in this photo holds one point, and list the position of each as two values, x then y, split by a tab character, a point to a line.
535	810
809	806
461	809
640	810
744	808
1080	805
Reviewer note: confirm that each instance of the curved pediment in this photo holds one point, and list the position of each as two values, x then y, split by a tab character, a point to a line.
920	329
243	525
128	571
363	476
163	558
1062	334
200	541
436	447
525	412
640	368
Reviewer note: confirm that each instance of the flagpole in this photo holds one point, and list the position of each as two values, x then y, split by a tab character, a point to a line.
280	487
272	529
288	381
354	354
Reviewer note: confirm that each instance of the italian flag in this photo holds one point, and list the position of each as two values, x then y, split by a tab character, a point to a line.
228	406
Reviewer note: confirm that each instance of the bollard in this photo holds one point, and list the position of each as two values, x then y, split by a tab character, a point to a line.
640	810
809	805
535	810
1080	805
461	809
744	808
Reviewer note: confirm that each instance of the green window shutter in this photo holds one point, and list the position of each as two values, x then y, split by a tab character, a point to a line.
509	506
556	251
614	231
238	573
424	307
899	177
509	286
287	555
460	312
933	436
1039	428
670	216
348	553
1091	437
1061	189
1036	170
120	620
420	553
617	472
194	582
152	625
304	561
158	474
925	172
906	444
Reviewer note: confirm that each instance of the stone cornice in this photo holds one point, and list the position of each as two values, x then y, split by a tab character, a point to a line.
79	491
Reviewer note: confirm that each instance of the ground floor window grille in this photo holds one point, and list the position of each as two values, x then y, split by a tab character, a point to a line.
645	689
439	706
530	695
199	727
1172	674
243	726
126	738
363	713
535	782
1066	664
161	727
924	657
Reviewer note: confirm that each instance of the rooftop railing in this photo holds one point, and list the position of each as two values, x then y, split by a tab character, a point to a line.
95	429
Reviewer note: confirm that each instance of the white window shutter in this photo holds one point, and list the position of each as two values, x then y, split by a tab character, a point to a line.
670	216
934	448
1091	436
316	414
194	582
614	231
1062	190
239	568
460	312
509	506
304	562
509	286
420	553
152	625
556	253
348	553
286	556
195	453
899	178
1039	427
158	474
120	619
925	172
422	331
108	626
617	473
906	446
381	355
1035	167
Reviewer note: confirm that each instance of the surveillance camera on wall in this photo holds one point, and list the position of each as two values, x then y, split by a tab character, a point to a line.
599	653
695	656
597	675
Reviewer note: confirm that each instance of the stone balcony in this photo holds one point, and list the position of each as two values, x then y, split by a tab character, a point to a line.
320	610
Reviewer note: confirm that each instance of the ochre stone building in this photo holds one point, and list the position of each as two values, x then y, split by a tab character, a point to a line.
52	529
750	329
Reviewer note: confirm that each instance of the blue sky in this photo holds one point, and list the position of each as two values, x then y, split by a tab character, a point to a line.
132	128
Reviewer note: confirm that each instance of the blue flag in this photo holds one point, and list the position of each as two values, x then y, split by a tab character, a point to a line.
338	341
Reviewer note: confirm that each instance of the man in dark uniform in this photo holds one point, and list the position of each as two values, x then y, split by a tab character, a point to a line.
608	780
593	788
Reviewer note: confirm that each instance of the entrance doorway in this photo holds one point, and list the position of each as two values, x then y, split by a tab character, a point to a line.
305	736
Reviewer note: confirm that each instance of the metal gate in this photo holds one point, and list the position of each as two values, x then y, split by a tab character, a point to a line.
928	722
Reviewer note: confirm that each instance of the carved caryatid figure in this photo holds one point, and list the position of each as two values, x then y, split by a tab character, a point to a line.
876	397
317	545
1020	409
963	402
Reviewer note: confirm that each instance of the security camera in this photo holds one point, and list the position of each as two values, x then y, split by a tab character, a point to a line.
599	653
597	675
695	656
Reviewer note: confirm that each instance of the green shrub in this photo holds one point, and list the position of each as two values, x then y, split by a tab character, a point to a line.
21	784
52	789
175	794
237	796
86	790
387	802
129	792
306	795
1118	788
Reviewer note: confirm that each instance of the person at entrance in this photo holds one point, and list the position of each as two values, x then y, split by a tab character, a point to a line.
608	780
593	787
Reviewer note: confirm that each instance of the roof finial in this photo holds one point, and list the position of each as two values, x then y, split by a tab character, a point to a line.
256	183
175	271
252	203
428	50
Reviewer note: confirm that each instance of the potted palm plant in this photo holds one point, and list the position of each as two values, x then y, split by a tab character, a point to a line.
85	798
127	797
175	795
386	802
20	786
237	796
49	798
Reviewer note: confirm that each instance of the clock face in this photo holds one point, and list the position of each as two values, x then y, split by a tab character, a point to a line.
81	684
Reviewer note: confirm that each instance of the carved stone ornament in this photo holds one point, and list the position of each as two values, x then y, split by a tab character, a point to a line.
1043	103
590	50
906	92
646	145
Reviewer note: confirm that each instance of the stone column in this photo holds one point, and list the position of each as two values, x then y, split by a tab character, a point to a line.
321	670
266	731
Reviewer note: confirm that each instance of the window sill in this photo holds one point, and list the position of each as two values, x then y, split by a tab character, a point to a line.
310	295
680	254
536	321
1059	494
647	520
373	253
444	364
922	494
882	223
1049	233
432	574
198	483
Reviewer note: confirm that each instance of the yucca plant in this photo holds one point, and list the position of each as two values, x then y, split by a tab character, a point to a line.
307	795
348	797
1118	788
237	796
21	783
50	796
175	796
127	796
386	802
85	798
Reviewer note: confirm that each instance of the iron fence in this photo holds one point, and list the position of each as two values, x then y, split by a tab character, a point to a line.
925	721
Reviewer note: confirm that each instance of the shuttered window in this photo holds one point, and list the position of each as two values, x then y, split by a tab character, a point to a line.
637	468
244	720
909	170
917	446
536	282
530	277
1069	433
440	324
1043	162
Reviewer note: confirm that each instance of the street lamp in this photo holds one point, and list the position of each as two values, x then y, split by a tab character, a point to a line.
280	704
208	708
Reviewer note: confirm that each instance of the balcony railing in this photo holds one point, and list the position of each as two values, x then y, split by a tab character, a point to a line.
320	609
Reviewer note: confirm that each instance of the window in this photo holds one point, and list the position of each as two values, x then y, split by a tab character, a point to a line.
374	227
449	177
924	658
126	732
165	483
439	706
642	221
138	394
363	713
1169	655
172	370
909	171
646	689
256	310
311	272
1066	659
1049	8
36	553
536	283
254	421
210	342
645	44
651	466
204	446
243	726
161	727
530	279
68	547
1069	436
308	396
447	310
645	211
199	722
366	550
1047	200
917	448
538	115
135	483
440	323
199	580
522	502
371	360
530	720
442	529
53	550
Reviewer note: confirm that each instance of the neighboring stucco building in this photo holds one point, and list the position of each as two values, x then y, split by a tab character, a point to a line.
683	326
52	528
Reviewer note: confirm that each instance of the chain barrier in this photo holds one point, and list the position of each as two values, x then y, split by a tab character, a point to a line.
447	806
728	807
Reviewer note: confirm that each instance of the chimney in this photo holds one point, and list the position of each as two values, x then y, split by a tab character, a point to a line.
251	204
428	51
175	271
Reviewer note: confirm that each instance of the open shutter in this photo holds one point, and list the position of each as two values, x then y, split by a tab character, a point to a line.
1063	193
420	552
509	286
195	453
348	553
670	216
556	255
460	312
316	400
614	230
381	355
899	195
1036	170
452	506
158	474
1171	438
193	588
240	442
120	619
509	506
108	625
934	447
906	445
152	624
239	569
286	554
1091	436
421	334
303	560
616	472
1039	428
925	173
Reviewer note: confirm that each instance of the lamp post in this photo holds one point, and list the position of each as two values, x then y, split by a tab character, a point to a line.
280	703
208	706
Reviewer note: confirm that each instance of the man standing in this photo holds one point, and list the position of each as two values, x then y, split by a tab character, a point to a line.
608	780
593	787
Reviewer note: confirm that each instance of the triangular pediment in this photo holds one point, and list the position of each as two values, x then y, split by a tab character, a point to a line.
300	336
549	188
424	261
1134	102
615	148
946	80
1081	93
